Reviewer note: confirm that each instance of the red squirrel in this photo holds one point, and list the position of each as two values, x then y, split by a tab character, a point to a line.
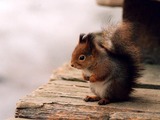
110	62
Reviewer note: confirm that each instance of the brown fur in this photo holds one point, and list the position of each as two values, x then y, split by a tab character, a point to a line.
111	62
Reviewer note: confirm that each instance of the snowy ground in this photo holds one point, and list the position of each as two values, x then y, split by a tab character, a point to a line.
37	36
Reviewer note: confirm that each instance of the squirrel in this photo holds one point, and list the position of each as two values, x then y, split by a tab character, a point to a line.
110	61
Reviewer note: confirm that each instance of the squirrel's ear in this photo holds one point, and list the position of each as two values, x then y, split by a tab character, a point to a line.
81	38
90	37
90	41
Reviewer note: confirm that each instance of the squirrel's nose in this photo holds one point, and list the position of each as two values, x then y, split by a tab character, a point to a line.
72	65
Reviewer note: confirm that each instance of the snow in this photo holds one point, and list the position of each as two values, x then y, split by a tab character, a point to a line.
37	36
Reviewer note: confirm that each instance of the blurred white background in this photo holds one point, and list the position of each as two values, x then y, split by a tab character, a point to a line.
37	36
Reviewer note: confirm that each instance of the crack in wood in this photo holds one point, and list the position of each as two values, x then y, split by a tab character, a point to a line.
147	86
79	98
73	79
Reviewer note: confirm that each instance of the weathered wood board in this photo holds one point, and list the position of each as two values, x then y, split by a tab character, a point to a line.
62	98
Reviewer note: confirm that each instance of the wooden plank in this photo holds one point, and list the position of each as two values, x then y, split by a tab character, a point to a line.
62	97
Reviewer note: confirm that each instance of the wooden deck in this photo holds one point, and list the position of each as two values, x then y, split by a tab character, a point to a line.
62	98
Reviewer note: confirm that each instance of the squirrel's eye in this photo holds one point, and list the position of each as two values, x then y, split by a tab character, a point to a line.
82	57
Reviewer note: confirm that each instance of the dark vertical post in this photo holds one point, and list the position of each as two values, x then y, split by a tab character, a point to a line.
145	16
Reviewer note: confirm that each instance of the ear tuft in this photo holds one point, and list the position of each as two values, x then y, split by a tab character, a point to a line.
81	38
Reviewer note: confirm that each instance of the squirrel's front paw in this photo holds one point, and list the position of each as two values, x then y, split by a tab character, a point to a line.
91	98
92	78
85	77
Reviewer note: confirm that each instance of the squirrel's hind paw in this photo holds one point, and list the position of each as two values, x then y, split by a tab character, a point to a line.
103	101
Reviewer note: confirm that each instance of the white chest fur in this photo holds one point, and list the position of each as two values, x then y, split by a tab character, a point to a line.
99	88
